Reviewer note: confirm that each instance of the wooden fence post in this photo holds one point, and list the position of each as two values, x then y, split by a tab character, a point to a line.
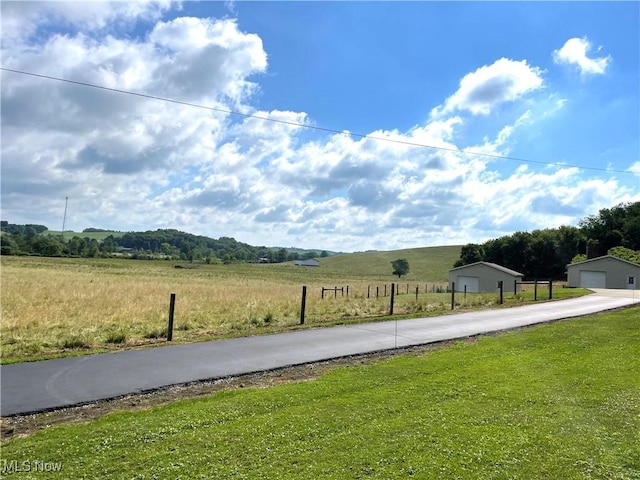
172	309
417	290
368	290
304	304
535	289
500	286
550	289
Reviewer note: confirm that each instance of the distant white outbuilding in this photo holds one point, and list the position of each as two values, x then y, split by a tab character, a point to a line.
604	272
484	277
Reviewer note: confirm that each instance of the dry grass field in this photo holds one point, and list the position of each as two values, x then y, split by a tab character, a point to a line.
62	306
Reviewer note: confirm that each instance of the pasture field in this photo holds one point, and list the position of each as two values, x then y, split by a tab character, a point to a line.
559	400
66	306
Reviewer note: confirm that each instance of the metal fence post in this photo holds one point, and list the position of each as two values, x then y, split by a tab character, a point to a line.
453	295
172	309
304	304
392	298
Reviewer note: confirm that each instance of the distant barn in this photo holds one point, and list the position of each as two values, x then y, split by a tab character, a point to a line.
310	262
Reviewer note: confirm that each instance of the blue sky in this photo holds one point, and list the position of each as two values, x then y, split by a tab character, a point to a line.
556	83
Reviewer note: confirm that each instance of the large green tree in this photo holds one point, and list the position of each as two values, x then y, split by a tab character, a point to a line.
400	267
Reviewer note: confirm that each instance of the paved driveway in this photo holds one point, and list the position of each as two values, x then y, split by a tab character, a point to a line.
37	386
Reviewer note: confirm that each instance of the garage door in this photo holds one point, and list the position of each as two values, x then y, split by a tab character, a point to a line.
593	279
470	282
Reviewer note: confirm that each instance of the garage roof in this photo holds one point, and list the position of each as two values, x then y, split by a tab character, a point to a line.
492	265
602	258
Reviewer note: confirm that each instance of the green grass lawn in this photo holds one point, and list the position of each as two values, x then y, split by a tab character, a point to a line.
556	401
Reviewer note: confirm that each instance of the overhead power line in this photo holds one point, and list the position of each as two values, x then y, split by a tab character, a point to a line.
313	127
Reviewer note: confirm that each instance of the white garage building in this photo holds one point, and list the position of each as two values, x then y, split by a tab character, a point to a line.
603	272
483	277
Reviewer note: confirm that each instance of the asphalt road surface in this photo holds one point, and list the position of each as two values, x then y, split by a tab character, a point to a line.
45	385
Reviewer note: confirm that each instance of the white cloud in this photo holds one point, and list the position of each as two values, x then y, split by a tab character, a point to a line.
21	20
483	90
574	52
132	164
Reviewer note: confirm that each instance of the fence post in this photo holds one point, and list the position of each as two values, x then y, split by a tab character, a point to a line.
392	298
535	289
417	291
465	291
377	291
500	286
550	289
453	295
347	291
304	304
322	296
515	287
172	309
385	289
368	290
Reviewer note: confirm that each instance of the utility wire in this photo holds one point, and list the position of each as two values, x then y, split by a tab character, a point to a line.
313	127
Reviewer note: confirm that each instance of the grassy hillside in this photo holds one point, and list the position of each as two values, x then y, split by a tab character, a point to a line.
553	401
426	264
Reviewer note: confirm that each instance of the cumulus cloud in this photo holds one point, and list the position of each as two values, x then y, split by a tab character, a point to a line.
483	90
574	52
22	21
132	163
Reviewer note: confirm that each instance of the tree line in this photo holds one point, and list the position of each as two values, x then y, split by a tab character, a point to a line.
543	254
171	244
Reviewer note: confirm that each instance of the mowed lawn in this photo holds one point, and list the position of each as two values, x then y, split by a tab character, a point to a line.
555	401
